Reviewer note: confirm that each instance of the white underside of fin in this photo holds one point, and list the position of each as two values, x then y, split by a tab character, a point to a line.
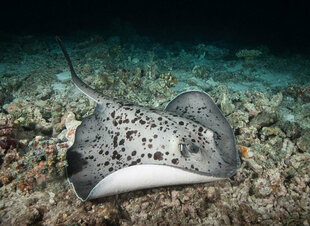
145	176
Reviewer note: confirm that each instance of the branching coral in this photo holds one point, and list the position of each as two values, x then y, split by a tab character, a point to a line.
170	79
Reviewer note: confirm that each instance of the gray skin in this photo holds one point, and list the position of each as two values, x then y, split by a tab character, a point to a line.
191	134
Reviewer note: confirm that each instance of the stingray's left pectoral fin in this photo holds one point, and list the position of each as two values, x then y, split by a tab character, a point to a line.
77	174
84	171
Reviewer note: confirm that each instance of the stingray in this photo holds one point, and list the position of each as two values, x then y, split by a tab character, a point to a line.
123	147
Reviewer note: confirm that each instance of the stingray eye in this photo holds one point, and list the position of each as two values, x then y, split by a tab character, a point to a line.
188	149
194	149
184	150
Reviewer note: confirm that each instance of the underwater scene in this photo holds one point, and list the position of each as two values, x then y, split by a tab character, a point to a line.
143	129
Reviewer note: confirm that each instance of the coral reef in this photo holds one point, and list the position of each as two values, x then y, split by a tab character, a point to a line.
41	109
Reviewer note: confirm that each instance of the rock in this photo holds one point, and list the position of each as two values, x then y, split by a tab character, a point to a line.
238	119
263	119
135	60
272	131
200	71
64	76
262	186
71	124
303	142
227	106
292	129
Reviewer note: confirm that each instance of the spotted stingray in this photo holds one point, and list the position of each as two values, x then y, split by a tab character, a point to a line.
123	147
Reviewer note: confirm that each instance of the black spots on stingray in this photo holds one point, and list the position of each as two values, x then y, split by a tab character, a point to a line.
138	111
110	169
150	146
142	122
106	153
143	139
175	161
193	140
113	114
142	155
181	123
133	153
133	163
115	141
158	156
126	121
123	149
128	158
200	129
159	118
220	164
149	155
116	155
107	163
153	125
167	153
127	108
129	134
114	122
150	140
155	136
134	120
121	142
100	152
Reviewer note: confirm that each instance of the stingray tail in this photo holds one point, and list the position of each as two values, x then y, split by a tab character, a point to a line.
84	88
